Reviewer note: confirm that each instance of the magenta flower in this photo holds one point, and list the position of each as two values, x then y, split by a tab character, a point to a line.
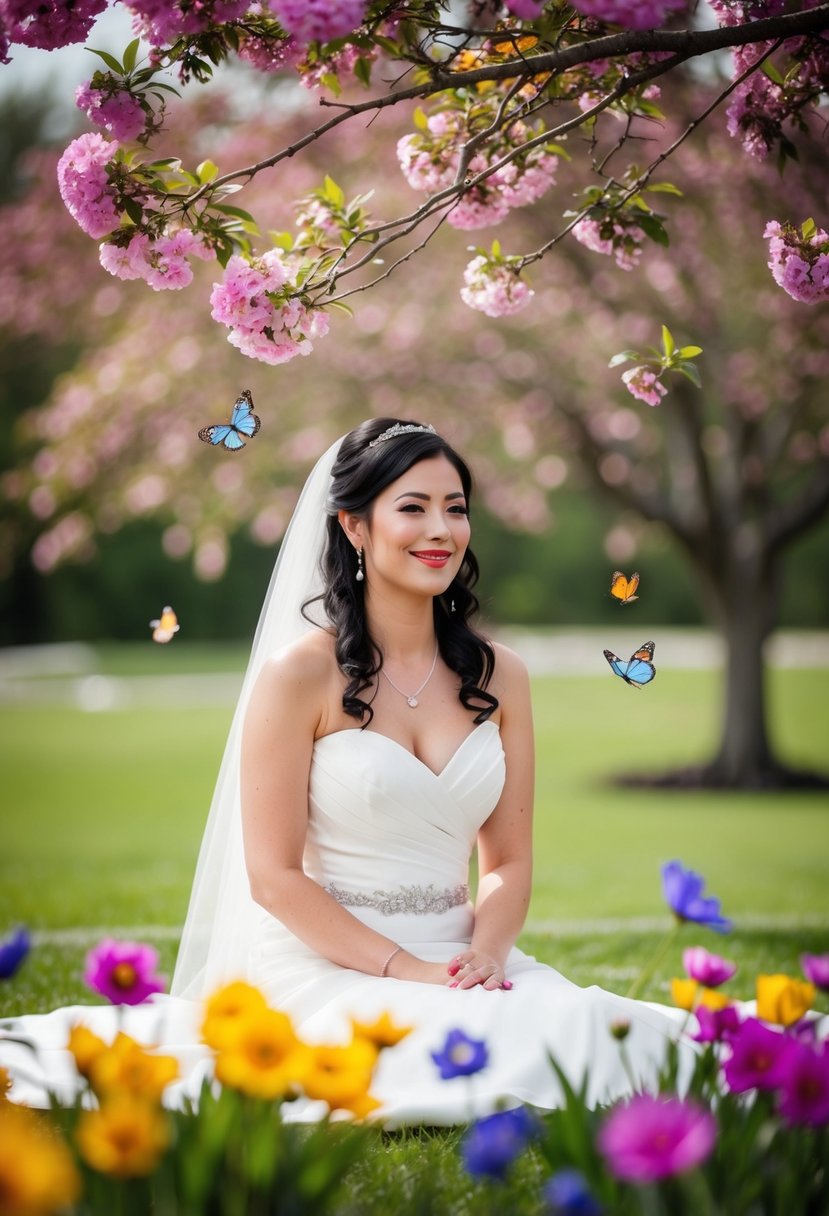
715	1024
13	951
492	1144
816	969
632	14
707	969
683	894
319	20
123	972
460	1056
804	1094
83	181
759	1059
651	1137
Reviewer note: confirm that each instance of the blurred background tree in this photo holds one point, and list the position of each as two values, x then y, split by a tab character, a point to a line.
113	507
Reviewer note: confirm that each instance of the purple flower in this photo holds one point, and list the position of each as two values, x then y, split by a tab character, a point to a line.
460	1056
123	972
650	1137
759	1057
715	1024
568	1194
816	969
683	894
804	1094
492	1144
13	950
707	969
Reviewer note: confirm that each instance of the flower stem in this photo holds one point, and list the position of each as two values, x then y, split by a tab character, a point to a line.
648	970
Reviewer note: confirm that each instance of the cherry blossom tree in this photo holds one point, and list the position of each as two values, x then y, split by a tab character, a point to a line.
555	123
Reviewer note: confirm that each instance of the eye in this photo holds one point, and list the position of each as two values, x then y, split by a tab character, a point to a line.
411	506
459	510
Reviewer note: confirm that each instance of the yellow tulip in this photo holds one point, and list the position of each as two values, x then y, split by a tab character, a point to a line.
85	1047
227	1008
126	1067
263	1057
37	1174
125	1138
782	999
688	994
341	1076
382	1032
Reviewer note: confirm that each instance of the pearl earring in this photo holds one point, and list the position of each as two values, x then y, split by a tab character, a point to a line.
359	575
452	608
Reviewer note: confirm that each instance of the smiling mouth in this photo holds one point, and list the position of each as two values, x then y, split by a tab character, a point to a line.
433	557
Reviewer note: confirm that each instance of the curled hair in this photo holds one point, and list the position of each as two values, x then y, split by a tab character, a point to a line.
361	473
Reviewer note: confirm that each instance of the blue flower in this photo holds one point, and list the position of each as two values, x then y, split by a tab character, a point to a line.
13	950
460	1056
492	1144
568	1194
683	893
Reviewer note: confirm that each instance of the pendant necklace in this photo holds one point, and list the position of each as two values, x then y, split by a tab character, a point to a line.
411	699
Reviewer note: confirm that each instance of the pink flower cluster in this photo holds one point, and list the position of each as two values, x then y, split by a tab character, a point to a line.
429	160
162	263
790	1064
341	64
162	22
266	320
319	20
650	1137
632	14
270	54
525	10
799	264
494	288
116	110
84	184
623	241
644	384
48	24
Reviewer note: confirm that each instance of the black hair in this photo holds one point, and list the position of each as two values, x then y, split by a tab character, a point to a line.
360	473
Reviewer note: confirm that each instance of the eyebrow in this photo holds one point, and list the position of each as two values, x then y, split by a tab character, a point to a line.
428	497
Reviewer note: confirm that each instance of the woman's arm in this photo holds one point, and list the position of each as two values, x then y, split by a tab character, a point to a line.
505	840
277	744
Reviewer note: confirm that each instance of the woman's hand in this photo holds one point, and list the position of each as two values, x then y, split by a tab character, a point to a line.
472	967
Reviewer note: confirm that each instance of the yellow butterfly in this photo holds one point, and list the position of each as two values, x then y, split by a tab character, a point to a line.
166	626
623	588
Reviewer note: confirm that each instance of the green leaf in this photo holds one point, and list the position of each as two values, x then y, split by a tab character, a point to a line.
496	249
332	193
131	54
807	228
207	171
689	352
134	210
665	188
282	240
108	59
420	119
362	70
773	73
341	307
624	356
226	209
668	344
653	228
331	81
689	370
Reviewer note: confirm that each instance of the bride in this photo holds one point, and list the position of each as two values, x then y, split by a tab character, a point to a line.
378	741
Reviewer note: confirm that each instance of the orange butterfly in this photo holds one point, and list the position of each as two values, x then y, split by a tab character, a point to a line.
622	588
167	625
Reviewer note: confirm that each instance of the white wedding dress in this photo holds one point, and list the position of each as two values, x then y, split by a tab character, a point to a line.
391	840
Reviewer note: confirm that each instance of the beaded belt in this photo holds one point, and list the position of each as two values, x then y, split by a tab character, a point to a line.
414	900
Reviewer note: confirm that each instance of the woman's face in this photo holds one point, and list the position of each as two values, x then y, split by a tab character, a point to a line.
419	529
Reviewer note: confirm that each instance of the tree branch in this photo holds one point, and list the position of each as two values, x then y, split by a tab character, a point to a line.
800	513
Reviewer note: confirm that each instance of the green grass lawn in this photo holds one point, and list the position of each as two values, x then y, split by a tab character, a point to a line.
103	814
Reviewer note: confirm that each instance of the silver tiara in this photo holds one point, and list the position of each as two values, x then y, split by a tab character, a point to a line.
398	429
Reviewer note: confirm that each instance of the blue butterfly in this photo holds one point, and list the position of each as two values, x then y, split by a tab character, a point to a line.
638	669
243	421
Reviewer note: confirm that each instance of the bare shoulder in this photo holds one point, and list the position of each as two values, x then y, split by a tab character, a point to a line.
297	677
511	672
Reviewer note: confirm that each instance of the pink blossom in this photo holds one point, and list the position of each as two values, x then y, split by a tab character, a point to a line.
123	972
707	969
319	20
50	24
644	384
525	10
84	184
800	265
266	321
477	209
623	241
116	110
759	1057
632	14
804	1093
816	969
649	1138
162	22
161	263
494	289
424	170
270	54
713	1025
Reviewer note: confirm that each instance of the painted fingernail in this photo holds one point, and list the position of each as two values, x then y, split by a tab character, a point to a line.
507	984
453	968
454	985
